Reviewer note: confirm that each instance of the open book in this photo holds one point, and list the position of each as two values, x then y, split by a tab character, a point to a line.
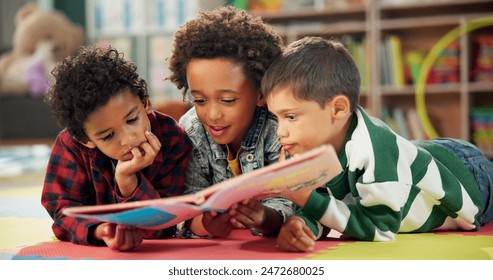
309	170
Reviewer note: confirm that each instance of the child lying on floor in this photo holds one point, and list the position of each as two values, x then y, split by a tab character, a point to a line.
114	148
389	184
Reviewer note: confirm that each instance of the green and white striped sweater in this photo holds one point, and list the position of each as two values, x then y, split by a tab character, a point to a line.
390	185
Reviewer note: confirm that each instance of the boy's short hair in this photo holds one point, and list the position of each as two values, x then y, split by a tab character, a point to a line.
225	32
315	69
85	82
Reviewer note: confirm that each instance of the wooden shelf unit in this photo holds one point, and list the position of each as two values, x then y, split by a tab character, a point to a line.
419	25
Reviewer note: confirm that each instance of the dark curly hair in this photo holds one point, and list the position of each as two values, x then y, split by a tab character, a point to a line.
225	32
85	82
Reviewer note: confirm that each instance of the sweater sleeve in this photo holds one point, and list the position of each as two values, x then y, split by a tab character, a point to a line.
316	203
377	222
67	185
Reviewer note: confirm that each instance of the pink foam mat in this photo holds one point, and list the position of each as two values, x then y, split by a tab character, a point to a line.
241	245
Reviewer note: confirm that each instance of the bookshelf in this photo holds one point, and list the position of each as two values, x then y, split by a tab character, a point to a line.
455	93
371	29
143	30
350	24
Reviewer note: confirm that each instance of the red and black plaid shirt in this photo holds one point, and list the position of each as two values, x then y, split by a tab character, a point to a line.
77	176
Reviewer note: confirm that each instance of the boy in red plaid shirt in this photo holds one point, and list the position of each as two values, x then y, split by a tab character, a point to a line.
114	148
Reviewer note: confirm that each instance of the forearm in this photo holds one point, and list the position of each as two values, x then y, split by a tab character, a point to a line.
145	190
197	228
55	198
271	223
77	231
300	197
353	220
127	184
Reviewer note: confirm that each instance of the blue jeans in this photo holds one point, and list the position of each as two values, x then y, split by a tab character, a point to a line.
480	166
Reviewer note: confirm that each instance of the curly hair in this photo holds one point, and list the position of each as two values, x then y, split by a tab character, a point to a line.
226	32
85	82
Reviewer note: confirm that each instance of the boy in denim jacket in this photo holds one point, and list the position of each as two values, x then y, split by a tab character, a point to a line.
219	58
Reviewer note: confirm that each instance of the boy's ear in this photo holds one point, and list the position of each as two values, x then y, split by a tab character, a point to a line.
148	106
340	106
261	100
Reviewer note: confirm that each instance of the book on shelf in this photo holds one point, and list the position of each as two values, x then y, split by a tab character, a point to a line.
306	171
388	118
357	49
385	65
416	131
401	122
414	59
482	70
482	128
404	122
391	61
446	67
395	49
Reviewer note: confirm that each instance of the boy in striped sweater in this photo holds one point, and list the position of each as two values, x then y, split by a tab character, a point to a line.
389	184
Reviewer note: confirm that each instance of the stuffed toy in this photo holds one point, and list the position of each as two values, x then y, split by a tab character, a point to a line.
41	39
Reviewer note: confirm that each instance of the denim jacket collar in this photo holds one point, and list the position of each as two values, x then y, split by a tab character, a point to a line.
249	142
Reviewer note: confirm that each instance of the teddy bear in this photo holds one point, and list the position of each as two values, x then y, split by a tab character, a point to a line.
41	39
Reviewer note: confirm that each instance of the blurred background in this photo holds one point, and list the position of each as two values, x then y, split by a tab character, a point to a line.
389	40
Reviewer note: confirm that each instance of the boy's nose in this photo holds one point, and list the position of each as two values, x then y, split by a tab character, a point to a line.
281	132
129	138
214	113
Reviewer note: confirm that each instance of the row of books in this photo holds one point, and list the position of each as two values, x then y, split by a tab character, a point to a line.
404	122
399	68
391	64
446	67
358	49
135	16
482	128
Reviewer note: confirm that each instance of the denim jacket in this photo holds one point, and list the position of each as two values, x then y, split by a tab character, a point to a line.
208	164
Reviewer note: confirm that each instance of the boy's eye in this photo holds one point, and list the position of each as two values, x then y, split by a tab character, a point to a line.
291	117
228	100
199	100
108	137
130	121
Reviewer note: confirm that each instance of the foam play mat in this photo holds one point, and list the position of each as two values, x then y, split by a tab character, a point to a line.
241	245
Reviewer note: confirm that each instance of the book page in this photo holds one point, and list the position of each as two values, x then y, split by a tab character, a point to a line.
310	170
